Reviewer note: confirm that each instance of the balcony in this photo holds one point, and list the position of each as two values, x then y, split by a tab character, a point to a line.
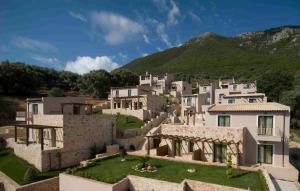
267	134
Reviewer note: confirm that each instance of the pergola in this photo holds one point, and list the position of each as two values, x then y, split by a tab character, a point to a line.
190	138
31	126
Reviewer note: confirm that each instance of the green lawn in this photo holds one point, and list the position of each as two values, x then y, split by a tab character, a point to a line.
15	167
112	170
128	122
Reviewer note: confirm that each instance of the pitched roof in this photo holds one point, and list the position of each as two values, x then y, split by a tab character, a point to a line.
271	106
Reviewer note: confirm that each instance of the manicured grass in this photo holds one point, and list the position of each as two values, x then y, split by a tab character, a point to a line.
128	122
112	170
15	167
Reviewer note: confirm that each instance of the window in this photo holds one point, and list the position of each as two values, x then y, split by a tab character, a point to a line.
117	93
220	153
119	105
35	109
204	89
231	101
265	125
76	110
265	154
189	101
224	121
234	87
252	100
140	105
191	146
129	92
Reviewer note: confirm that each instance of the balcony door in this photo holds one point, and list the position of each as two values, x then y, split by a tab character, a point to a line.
177	147
265	125
265	154
220	153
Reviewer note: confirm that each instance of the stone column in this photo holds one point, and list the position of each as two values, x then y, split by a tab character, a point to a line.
53	137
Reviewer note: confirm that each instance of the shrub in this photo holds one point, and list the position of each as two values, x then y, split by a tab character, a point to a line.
229	166
56	92
31	174
132	147
3	143
93	151
123	153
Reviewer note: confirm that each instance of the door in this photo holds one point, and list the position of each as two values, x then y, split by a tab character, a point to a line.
265	154
177	147
220	153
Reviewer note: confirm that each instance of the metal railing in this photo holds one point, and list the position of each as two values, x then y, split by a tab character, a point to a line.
265	131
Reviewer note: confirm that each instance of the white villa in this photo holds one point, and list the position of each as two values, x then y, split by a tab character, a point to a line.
137	101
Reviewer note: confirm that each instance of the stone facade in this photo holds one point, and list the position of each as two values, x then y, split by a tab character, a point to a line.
203	150
73	141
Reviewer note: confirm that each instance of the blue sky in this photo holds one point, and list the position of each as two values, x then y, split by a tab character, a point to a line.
84	35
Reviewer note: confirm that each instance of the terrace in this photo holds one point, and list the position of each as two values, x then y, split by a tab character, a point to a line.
112	170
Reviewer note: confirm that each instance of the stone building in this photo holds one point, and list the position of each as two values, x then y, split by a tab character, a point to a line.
136	101
62	133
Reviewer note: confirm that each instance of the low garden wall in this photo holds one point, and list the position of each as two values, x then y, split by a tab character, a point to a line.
76	183
51	184
140	113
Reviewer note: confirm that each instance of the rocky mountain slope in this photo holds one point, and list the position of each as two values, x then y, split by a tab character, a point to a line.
211	55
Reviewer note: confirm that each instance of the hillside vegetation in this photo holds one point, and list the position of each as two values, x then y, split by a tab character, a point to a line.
212	56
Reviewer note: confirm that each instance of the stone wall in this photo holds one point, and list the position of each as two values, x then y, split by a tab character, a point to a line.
6	183
30	153
197	185
49	120
137	142
51	184
140	113
145	184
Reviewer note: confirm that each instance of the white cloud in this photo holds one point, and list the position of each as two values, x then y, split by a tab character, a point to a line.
195	16
173	13
160	29
146	39
158	49
145	54
85	64
117	28
45	60
77	16
28	43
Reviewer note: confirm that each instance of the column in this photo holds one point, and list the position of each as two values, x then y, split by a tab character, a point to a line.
148	147
42	139
16	134
27	136
53	137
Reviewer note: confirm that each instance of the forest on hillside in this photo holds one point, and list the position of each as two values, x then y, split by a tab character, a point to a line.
20	79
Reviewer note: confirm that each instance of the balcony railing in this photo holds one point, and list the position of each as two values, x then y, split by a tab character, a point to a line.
265	131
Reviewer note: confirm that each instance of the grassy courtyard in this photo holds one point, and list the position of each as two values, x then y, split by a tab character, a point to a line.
111	170
128	122
15	167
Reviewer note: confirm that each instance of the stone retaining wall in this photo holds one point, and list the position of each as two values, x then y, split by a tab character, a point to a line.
51	184
76	183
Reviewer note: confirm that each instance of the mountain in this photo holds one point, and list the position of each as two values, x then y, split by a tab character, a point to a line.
211	55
